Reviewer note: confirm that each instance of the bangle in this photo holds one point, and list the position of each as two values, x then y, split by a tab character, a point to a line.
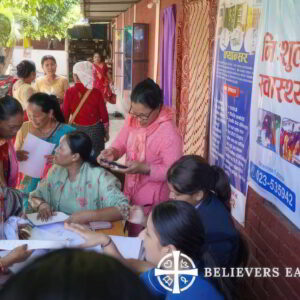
108	243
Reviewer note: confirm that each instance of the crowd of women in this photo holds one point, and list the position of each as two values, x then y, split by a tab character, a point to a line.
173	202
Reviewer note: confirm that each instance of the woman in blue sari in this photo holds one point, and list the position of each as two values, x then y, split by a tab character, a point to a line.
46	121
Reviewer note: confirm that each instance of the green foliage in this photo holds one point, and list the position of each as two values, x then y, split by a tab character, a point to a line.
54	16
12	24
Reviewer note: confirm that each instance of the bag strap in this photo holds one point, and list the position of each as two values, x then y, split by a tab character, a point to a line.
83	99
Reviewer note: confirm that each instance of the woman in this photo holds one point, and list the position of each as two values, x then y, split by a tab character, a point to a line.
78	275
22	89
102	79
51	83
151	143
76	188
92	118
172	226
11	120
193	180
46	122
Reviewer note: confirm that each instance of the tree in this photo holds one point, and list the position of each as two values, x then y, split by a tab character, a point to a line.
36	19
12	24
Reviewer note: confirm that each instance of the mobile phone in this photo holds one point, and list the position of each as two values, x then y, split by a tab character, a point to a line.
113	163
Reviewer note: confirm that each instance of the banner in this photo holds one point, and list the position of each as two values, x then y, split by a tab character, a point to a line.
236	39
275	112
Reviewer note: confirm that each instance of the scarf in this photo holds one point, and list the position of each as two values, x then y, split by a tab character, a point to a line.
136	145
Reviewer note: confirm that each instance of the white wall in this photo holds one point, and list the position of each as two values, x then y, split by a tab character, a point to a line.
34	55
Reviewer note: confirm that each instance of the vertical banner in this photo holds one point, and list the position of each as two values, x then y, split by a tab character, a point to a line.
275	113
236	39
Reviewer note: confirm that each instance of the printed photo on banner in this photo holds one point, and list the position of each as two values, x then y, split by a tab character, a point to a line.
290	141
268	130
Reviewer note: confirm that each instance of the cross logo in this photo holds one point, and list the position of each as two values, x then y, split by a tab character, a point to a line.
176	272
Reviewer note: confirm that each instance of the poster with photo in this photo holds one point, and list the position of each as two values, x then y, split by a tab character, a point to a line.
236	43
274	169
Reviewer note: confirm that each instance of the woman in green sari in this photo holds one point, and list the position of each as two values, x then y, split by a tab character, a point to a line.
77	187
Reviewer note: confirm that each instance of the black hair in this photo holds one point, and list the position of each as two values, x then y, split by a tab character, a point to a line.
48	102
75	274
46	57
25	68
102	58
177	223
191	174
148	93
79	142
9	107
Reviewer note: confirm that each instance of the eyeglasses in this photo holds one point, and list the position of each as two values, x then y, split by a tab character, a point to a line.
142	117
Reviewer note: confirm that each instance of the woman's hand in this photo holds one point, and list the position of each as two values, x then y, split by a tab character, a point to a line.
137	215
91	238
22	155
135	167
80	217
50	159
19	254
109	154
45	212
24	231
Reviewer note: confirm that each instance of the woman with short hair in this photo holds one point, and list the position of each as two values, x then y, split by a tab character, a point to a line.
22	89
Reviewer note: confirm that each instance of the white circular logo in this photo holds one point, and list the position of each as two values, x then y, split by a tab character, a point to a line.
176	272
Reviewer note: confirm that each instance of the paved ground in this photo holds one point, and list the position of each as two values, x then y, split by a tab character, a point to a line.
114	129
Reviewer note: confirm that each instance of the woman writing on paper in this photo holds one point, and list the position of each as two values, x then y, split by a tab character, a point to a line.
151	143
207	188
171	226
77	187
46	122
86	107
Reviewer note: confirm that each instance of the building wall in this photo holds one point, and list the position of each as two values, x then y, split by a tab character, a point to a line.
274	242
146	15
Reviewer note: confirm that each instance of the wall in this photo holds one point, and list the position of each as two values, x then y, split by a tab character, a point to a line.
274	242
36	56
146	15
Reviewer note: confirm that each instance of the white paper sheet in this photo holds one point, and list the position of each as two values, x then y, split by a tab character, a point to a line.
37	149
129	247
59	217
32	244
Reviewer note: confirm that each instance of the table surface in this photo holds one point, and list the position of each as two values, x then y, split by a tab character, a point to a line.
117	229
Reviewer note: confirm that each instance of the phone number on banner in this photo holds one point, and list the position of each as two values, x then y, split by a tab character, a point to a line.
274	186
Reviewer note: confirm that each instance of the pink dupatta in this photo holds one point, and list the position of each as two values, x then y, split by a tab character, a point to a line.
136	145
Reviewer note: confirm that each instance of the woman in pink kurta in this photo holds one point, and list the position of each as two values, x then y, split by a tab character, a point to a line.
151	143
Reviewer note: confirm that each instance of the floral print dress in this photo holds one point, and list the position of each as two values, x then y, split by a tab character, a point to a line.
94	188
